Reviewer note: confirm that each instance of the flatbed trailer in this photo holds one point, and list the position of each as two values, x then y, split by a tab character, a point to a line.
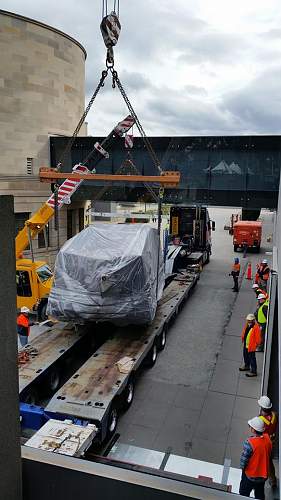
45	353
52	356
104	384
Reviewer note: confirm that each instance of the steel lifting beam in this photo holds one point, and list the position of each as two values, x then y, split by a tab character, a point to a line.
167	178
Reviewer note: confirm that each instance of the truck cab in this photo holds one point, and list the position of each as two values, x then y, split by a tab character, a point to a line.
190	237
33	281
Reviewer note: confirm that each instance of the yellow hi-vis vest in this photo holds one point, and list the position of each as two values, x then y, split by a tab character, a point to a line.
248	337
261	316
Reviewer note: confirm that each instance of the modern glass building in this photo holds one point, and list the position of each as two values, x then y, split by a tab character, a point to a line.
228	171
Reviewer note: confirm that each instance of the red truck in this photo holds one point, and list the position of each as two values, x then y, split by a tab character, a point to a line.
247	233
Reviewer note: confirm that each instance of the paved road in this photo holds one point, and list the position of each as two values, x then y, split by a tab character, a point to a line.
187	402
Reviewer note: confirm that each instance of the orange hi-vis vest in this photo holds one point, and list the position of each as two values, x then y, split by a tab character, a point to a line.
22	320
253	338
258	465
264	271
270	422
236	268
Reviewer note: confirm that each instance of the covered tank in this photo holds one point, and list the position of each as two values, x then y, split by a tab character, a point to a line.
108	272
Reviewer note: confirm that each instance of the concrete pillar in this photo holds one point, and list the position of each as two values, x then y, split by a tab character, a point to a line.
10	461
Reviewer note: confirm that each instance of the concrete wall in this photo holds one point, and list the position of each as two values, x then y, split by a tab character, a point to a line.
49	475
41	94
10	463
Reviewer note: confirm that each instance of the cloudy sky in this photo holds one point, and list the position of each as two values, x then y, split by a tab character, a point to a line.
189	67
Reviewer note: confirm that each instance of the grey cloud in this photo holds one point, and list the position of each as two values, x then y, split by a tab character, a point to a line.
214	47
153	32
190	117
271	34
135	81
258	105
156	30
194	90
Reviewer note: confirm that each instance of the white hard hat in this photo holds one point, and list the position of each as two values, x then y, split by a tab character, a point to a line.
264	261
264	402
24	309
261	296
255	285
257	424
250	317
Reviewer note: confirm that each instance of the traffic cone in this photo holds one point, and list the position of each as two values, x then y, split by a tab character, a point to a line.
249	271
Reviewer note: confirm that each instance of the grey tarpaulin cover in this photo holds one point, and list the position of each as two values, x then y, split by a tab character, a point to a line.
108	272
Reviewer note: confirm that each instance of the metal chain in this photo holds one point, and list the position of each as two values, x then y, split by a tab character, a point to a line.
147	186
150	149
82	119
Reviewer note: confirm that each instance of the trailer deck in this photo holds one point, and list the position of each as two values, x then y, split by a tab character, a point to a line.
90	393
45	350
91	390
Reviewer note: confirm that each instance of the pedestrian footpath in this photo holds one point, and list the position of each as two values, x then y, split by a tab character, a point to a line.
236	394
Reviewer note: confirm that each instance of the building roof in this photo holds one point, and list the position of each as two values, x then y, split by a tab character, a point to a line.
43	25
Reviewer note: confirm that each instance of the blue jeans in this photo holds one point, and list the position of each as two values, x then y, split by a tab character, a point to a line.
250	359
247	485
23	340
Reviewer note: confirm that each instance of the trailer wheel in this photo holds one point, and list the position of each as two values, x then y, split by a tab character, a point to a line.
152	355
162	339
128	394
112	421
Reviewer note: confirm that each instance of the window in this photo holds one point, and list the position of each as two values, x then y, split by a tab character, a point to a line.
81	219
29	166
20	219
43	236
44	273
23	284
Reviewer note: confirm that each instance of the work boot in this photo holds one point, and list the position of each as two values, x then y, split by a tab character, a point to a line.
251	374
244	368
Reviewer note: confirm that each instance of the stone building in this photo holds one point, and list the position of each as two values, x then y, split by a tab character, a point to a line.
42	92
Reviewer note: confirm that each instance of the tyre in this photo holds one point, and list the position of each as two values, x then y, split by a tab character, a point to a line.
208	258
162	339
258	249
235	248
112	421
152	355
128	394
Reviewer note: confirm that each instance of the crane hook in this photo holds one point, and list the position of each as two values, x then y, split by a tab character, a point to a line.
110	30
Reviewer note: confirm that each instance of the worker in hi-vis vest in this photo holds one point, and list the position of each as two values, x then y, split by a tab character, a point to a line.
23	325
263	273
251	338
235	274
258	291
261	317
255	459
270	420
